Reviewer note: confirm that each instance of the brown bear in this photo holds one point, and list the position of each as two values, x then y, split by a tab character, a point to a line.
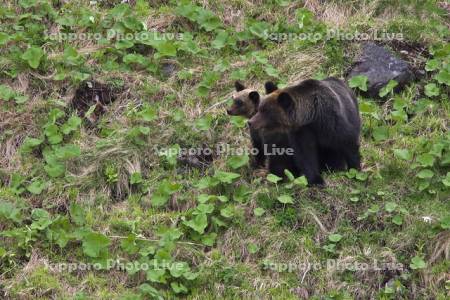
272	147
330	160
319	117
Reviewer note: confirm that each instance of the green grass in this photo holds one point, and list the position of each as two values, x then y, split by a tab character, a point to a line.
91	189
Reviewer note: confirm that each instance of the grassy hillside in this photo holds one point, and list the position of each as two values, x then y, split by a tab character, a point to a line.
98	97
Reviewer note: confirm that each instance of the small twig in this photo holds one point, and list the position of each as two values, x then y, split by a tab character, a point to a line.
48	77
306	272
216	104
318	222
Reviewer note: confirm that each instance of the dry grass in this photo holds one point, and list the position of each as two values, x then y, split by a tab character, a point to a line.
332	14
320	211
18	124
299	65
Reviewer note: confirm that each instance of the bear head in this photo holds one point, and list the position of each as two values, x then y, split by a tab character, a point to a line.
245	101
274	112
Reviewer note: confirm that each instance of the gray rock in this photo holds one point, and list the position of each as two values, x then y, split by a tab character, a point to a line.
168	68
380	66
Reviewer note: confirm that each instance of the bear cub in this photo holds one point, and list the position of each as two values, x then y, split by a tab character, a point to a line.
245	103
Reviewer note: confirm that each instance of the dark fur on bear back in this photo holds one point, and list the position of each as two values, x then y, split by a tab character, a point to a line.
328	106
321	120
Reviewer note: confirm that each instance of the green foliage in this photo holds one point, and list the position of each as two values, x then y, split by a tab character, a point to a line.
273	178
417	262
95	244
204	123
359	81
58	193
334	238
445	222
388	88
36	187
203	17
33	56
208	80
259	211
285	199
198	223
72	124
9	211
226	177
431	90
29	144
236	162
136	178
7	93
404	154
163	192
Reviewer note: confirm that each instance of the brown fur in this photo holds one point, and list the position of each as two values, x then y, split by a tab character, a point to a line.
242	104
278	118
245	103
321	119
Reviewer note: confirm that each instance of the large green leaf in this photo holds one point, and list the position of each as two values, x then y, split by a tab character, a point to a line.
6	93
388	88
94	243
285	199
37	186
226	177
335	237
237	161
33	56
425	174
198	223
71	125
403	154
273	178
67	152
432	90
29	144
417	263
53	134
359	81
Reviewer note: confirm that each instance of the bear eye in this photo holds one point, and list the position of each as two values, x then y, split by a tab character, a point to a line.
239	102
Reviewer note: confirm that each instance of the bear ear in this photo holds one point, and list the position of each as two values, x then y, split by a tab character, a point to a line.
254	96
286	101
239	86
270	87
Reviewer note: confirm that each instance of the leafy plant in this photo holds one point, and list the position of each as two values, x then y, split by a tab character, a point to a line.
33	56
163	192
285	199
359	81
388	88
417	262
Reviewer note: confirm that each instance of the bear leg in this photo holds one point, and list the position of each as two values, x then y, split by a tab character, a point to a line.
352	156
259	159
306	156
277	165
331	160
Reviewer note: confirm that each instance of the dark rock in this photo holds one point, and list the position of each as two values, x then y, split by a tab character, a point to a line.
91	93
380	66
168	68
201	159
414	53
